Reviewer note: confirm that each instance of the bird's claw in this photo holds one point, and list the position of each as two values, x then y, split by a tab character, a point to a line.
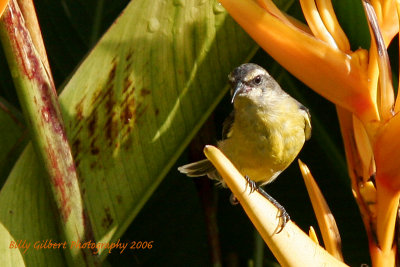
233	200
284	218
253	185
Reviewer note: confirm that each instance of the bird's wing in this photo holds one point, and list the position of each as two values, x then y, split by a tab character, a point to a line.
205	167
307	121
227	125
198	168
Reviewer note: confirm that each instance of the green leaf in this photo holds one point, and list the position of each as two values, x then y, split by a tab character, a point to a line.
13	138
352	18
27	216
130	109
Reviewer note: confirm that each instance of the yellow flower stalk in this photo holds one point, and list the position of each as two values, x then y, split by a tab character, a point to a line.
291	247
359	84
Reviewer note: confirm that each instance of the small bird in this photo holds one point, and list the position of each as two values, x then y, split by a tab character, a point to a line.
263	134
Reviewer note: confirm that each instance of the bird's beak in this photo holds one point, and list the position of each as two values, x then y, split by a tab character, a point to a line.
238	89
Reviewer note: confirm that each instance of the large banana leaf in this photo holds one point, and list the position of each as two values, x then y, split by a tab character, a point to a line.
130	109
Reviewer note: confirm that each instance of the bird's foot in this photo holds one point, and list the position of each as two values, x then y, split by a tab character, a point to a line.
234	201
283	215
253	185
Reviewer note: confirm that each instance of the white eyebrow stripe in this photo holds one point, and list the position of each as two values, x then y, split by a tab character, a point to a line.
254	73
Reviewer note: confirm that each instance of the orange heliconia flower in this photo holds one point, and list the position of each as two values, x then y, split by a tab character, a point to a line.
359	84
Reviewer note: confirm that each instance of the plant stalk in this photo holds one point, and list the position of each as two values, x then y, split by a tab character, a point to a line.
38	98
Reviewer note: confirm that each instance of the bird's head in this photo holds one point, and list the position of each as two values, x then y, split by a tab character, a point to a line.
250	81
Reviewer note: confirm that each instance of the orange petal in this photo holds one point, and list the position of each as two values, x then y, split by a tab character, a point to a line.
387	206
326	221
368	194
313	235
315	22
337	76
397	104
386	14
3	4
328	16
364	149
269	6
387	154
354	162
386	93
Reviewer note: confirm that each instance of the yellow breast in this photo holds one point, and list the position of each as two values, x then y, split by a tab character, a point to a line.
262	145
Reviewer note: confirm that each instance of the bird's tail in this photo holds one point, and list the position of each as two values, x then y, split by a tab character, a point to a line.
198	168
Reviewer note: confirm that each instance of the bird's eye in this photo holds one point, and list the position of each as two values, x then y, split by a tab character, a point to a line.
257	79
